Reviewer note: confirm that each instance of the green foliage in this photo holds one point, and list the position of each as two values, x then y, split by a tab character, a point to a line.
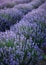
9	43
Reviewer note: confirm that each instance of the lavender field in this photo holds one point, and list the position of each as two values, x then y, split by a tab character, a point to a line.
22	32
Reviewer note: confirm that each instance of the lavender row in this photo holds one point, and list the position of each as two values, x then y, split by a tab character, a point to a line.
11	3
30	6
10	16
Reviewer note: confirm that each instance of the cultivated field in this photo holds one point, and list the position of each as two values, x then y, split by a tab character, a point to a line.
22	32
